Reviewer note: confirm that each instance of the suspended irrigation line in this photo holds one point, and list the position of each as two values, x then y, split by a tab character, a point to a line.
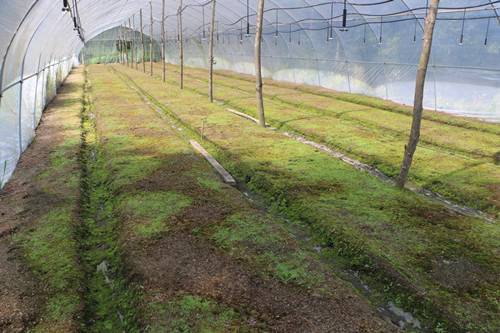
415	13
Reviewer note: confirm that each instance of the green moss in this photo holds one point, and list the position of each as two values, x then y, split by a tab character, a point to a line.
388	234
152	210
50	251
110	296
185	313
376	134
50	243
210	183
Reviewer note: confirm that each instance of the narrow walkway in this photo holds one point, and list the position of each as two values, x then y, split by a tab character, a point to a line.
40	276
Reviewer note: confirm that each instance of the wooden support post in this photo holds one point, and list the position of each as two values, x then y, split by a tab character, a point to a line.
131	44
258	65
410	148
151	39
143	48
181	51
121	45
211	54
163	38
134	43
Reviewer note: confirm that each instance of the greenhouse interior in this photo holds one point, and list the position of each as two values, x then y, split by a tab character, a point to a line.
250	166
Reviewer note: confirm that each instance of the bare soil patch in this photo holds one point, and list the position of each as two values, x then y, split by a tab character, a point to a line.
183	263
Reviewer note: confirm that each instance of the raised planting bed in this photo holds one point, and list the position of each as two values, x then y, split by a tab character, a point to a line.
440	264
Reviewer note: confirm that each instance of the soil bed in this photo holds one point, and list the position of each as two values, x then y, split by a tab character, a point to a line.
391	236
112	221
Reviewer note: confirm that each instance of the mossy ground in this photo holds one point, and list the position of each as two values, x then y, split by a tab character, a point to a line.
175	215
43	202
117	223
384	232
456	157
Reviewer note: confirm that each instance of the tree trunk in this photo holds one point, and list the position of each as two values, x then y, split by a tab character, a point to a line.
163	38
134	43
410	148
127	32
131	44
181	56
258	69
151	39
211	54
143	48
120	44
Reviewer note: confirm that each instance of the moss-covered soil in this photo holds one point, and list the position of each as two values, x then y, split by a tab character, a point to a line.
456	157
41	277
438	263
112	223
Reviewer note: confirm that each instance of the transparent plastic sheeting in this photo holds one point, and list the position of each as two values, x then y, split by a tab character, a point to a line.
21	111
303	42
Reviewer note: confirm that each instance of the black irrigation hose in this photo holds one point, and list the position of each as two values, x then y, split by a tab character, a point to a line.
491	3
237	31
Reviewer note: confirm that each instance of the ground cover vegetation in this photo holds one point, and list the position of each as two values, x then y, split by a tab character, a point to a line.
41	277
112	222
456	157
442	265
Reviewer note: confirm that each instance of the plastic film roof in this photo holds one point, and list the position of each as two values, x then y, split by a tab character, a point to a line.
38	28
304	41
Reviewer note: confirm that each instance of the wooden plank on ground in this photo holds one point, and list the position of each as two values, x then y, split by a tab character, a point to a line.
220	169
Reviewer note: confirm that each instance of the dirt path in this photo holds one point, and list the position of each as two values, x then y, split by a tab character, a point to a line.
37	188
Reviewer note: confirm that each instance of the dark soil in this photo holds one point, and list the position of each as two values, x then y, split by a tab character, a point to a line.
23	200
181	262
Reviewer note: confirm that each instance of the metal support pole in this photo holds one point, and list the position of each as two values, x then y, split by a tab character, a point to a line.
19	115
43	88
36	91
